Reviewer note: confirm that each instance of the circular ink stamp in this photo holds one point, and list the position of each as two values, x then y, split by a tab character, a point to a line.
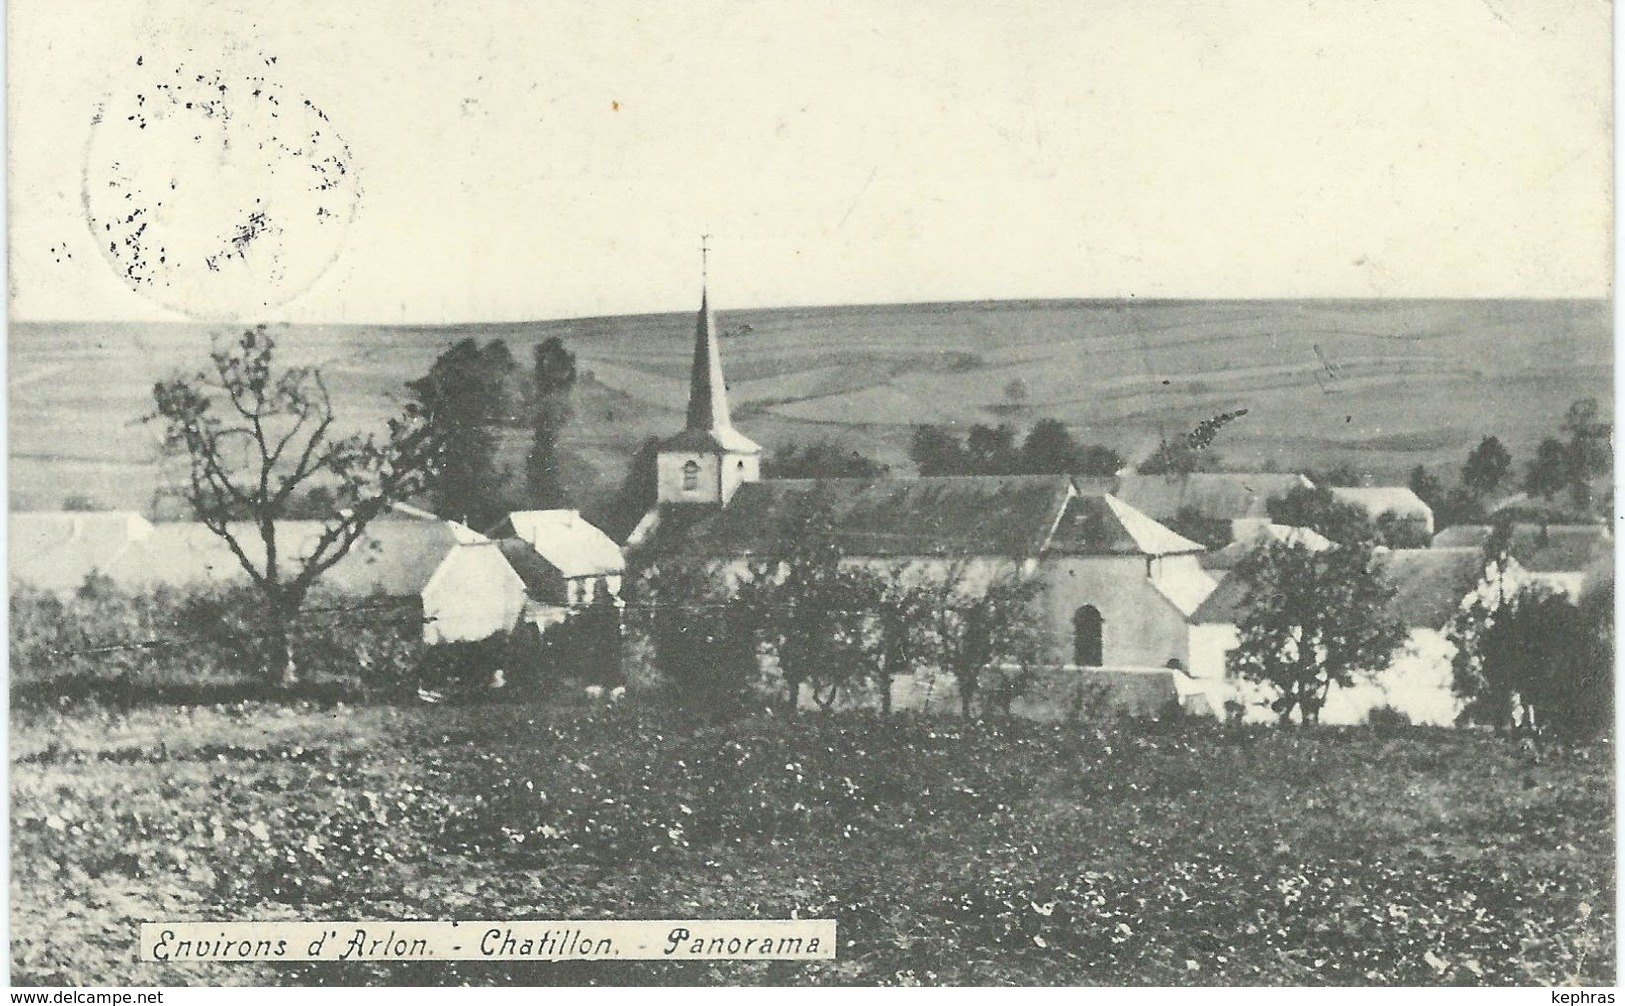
216	194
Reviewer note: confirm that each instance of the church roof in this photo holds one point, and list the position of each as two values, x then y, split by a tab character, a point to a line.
992	515
1101	524
709	426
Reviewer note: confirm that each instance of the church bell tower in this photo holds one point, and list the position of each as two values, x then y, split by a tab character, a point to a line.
710	459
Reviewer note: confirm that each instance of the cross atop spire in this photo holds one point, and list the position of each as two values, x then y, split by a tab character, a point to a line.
708	418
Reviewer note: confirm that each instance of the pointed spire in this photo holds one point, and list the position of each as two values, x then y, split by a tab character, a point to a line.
707	393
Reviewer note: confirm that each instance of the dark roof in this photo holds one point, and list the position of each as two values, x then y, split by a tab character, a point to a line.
1215	495
1002	515
975	515
1099	524
541	580
1563	548
723	438
1430	584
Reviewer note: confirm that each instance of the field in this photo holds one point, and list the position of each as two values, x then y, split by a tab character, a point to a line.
1177	853
1381	385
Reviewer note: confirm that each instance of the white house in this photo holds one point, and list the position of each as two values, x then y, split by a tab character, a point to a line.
585	557
548	564
1400	502
1432	585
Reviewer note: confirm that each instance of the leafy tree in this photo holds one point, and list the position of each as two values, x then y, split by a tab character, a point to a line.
638	491
1016	392
809	611
1395	531
1510	672
1171	457
1459	506
1210	532
1589	449
936	451
977	633
254	437
1312	619
897	636
1341	474
1049	449
991	450
1319	510
465	396
1427	486
1180	457
1487	467
553	377
822	459
1548	474
1531	659
1097	460
702	643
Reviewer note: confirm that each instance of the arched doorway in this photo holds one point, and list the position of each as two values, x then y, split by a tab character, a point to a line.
1088	636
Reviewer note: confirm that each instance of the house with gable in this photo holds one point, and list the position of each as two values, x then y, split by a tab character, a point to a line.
535	569
1118	587
1396	503
1431	586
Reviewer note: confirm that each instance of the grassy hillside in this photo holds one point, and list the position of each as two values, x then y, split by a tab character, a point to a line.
1383	385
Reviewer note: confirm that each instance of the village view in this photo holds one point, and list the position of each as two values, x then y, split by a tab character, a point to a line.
1032	712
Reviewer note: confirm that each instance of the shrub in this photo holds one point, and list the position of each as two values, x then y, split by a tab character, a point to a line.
1387	719
103	643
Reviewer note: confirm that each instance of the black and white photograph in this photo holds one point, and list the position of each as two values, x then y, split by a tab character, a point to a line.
811	494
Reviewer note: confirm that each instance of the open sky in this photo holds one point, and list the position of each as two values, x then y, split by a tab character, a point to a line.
509	160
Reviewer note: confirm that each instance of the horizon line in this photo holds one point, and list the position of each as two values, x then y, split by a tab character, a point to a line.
857	305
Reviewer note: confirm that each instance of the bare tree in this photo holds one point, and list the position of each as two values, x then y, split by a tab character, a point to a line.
253	436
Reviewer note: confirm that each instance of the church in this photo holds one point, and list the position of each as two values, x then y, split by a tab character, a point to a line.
1118	587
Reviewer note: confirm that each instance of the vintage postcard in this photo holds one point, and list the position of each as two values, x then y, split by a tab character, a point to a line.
879	494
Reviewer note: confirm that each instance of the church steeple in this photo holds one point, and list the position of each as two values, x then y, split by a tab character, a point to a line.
710	459
707	392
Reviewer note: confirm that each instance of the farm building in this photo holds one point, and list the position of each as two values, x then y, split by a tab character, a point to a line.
1118	586
1400	502
1432	584
1240	499
1561	557
393	558
540	566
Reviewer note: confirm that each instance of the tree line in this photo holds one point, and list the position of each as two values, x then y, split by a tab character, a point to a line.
836	628
1561	475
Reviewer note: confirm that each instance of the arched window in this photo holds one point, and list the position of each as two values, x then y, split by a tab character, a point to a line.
691	476
1088	636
